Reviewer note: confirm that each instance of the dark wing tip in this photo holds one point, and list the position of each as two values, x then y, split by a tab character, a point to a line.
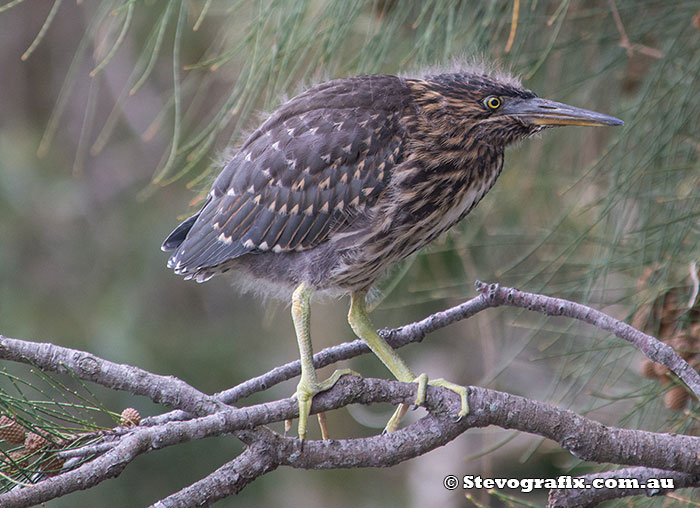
175	239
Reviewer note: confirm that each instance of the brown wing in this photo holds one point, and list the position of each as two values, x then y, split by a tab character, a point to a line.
314	165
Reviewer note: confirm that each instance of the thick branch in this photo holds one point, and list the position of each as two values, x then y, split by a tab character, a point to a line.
583	437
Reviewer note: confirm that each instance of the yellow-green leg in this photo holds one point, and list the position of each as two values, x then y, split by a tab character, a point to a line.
308	384
363	328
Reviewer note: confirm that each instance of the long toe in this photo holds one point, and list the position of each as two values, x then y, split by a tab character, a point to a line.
305	394
460	390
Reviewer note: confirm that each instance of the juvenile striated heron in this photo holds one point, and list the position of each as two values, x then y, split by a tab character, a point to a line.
351	176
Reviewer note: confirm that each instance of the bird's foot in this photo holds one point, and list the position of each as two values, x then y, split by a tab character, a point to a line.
422	380
305	394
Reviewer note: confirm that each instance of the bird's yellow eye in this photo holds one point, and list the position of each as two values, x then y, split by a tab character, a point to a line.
492	102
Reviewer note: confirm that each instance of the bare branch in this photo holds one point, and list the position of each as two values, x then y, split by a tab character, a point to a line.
492	295
571	498
653	348
167	390
229	479
200	415
398	337
584	438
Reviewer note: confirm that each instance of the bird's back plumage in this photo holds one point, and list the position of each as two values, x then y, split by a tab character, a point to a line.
317	163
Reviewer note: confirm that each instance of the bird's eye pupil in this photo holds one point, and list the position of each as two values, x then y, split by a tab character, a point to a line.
493	102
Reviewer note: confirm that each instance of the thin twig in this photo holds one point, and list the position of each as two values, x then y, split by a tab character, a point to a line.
415	332
397	337
653	348
624	40
570	498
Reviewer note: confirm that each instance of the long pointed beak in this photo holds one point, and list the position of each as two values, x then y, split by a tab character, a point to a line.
546	112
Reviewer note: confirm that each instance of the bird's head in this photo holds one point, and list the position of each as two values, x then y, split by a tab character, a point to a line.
468	109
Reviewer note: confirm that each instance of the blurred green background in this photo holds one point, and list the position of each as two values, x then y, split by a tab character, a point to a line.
93	177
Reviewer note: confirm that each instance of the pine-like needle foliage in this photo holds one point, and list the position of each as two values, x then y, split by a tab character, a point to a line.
40	416
608	217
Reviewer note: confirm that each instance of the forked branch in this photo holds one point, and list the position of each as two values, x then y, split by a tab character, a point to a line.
197	415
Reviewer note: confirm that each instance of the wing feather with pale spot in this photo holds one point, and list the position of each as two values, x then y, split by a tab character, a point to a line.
318	162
